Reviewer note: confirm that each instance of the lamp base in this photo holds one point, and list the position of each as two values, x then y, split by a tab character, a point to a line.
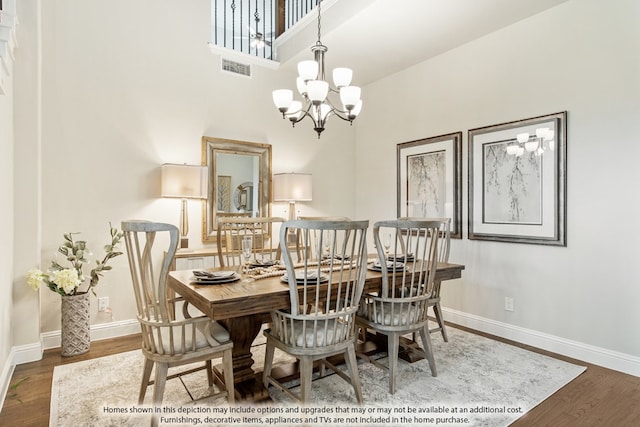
184	242
292	211
292	238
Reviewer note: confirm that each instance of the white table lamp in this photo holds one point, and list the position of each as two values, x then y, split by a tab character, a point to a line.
184	182
292	188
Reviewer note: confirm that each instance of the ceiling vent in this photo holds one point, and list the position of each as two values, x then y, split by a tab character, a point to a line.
236	67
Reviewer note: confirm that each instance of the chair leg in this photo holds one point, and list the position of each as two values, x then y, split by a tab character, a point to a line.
362	333
352	365
161	379
393	342
227	366
209	369
306	371
146	374
437	310
158	389
268	362
426	343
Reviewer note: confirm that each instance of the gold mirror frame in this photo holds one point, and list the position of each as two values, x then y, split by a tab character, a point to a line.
211	147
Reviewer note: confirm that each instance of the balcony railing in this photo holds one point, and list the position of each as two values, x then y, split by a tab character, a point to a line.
251	26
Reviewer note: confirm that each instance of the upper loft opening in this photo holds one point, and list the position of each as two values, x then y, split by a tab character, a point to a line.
250	27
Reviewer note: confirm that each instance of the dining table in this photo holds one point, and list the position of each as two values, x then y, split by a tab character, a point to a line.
242	307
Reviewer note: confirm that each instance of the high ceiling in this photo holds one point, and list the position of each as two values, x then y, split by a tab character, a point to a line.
377	38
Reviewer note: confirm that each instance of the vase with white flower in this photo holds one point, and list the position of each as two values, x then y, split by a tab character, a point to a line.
69	282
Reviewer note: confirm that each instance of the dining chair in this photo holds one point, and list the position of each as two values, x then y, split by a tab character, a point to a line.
444	245
407	291
324	299
168	342
231	231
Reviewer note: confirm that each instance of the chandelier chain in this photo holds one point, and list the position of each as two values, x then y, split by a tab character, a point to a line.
319	25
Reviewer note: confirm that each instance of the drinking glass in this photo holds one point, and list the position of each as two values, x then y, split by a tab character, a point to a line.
247	251
386	242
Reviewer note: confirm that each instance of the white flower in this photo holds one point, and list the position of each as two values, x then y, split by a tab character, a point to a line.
66	279
34	278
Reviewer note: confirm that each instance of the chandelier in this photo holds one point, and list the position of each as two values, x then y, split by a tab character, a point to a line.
543	139
315	90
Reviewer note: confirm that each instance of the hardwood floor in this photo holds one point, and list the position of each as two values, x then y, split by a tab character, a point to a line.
598	397
28	405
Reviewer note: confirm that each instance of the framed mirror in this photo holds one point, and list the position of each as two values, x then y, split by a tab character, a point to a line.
239	181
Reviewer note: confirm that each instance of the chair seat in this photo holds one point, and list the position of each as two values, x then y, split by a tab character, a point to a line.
208	334
218	332
317	337
390	314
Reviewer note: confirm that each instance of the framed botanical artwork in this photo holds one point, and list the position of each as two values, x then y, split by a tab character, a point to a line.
223	196
518	181
429	181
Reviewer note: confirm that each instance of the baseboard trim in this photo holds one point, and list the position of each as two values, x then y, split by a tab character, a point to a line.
617	361
5	377
98	332
27	353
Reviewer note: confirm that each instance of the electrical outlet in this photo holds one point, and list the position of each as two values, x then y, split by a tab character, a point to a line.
508	303
103	303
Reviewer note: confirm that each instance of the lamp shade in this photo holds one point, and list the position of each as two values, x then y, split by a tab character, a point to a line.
292	187
184	181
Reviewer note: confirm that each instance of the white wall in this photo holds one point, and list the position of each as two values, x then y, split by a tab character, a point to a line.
27	208
6	217
128	86
7	144
582	57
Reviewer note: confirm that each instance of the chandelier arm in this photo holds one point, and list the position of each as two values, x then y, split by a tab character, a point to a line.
305	113
337	111
340	115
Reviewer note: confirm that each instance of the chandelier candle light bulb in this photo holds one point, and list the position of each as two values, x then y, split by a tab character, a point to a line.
315	91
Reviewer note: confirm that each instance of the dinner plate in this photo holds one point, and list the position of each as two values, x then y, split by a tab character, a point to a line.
224	274
215	277
311	277
376	266
400	257
337	257
268	263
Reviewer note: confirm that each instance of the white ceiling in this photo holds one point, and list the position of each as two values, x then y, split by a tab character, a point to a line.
377	38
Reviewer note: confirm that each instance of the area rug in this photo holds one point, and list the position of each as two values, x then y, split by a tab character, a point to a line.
480	382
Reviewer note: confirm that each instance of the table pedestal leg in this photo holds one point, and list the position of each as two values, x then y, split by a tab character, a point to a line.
243	331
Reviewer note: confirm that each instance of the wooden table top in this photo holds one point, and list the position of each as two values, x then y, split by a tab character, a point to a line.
237	299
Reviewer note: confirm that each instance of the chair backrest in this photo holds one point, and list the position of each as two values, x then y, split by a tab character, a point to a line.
220	215
409	269
150	290
231	231
314	237
325	293
161	335
444	244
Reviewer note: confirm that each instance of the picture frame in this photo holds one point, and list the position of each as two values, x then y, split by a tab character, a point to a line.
518	194
429	179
